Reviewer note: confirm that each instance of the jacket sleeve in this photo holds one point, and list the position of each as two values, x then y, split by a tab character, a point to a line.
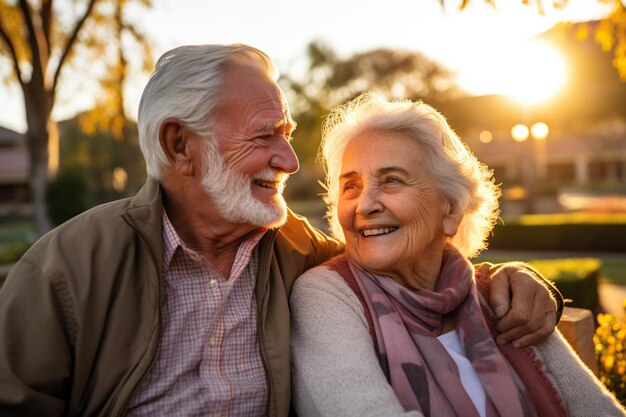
489	269
35	355
299	240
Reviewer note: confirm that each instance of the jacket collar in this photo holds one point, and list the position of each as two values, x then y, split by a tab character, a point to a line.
144	216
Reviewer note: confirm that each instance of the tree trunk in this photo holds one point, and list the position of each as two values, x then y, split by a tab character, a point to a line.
38	183
38	120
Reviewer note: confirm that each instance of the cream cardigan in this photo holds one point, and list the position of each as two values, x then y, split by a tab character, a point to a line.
336	371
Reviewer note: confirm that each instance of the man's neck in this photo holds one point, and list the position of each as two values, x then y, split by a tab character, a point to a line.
206	232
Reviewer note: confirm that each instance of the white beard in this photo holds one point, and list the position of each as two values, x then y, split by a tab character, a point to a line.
231	192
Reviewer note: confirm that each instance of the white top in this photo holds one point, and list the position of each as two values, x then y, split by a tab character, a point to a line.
336	371
469	377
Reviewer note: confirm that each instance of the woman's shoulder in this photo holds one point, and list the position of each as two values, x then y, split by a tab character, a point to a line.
322	285
322	278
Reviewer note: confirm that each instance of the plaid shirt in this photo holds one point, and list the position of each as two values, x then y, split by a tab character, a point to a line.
208	361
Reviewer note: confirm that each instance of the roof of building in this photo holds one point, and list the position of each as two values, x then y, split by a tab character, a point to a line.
14	165
10	137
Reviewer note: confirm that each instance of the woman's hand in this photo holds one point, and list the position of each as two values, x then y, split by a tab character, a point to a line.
525	307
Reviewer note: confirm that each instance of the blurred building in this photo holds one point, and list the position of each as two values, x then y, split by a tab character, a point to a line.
14	168
584	153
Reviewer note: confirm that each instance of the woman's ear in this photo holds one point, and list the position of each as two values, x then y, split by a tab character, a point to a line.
451	221
175	140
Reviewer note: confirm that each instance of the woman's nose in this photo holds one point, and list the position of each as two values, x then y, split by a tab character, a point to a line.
369	201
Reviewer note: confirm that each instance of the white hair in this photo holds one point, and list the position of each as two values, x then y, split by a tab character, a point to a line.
186	85
466	184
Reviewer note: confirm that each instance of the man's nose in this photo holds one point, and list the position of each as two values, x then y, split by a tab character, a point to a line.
285	158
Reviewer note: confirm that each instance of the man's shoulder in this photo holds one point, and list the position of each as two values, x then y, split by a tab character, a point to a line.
298	225
91	230
298	232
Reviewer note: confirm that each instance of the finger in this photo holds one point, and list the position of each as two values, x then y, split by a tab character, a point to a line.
500	292
540	335
540	324
516	333
524	289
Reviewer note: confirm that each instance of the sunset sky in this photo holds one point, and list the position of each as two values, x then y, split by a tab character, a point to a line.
486	47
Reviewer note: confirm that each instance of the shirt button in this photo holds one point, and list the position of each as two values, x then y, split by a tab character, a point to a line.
212	283
211	341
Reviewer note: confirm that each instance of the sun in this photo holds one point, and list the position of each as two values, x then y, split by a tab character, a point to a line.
527	71
536	73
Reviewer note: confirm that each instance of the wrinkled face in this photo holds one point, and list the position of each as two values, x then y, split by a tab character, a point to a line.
389	209
252	132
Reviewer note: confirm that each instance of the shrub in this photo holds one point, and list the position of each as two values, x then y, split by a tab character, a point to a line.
576	279
67	195
575	237
610	340
12	252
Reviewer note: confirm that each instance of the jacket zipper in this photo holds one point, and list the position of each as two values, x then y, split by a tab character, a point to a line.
263	279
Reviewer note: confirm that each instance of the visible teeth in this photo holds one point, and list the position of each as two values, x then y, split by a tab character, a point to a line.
266	184
379	231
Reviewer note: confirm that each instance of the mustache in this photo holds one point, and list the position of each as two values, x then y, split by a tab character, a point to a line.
272	175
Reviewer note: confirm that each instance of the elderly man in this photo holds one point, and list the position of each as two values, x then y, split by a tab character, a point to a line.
175	302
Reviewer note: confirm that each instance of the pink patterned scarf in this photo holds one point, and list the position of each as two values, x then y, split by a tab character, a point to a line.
418	367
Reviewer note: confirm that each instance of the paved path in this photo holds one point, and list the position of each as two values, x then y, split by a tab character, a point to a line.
612	297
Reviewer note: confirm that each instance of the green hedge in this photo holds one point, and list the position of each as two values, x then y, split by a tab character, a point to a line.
576	279
560	237
12	252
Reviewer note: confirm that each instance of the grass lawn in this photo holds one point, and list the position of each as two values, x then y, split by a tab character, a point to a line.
16	232
15	238
613	265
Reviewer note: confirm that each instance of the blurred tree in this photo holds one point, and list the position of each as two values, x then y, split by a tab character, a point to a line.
44	39
609	32
100	156
331	80
66	195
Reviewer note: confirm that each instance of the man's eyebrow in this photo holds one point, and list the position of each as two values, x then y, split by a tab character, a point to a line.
273	126
286	122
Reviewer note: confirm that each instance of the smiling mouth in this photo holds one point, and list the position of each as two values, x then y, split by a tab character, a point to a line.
377	232
267	184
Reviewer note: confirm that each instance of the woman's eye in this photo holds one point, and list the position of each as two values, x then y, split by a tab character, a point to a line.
348	186
392	180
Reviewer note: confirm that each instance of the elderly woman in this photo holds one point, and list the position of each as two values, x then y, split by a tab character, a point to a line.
400	324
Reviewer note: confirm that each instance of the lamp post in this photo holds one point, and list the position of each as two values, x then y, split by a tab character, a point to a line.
535	159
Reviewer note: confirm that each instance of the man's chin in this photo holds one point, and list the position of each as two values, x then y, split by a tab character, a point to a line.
268	215
274	216
278	222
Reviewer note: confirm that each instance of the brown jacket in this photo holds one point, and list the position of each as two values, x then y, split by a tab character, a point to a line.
80	312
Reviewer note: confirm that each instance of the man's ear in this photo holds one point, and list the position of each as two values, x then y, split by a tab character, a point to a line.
175	140
451	220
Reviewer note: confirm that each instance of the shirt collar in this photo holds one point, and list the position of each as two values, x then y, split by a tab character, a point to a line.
171	242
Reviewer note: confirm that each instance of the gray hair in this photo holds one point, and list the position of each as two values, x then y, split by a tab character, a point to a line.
186	85
465	183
